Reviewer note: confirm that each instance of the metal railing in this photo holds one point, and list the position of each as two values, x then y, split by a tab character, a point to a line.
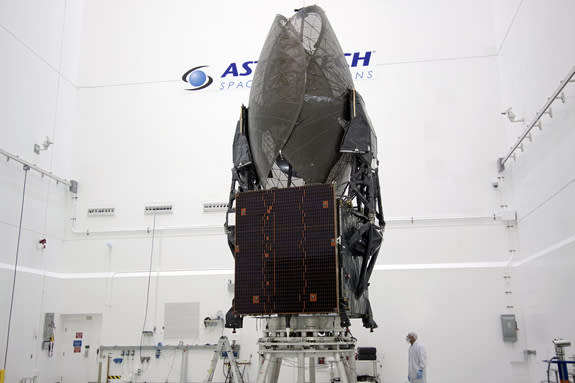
72	185
557	94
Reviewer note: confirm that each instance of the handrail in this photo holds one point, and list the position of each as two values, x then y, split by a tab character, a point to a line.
502	160
72	185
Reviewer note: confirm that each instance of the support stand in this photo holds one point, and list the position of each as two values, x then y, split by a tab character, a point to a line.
311	337
223	350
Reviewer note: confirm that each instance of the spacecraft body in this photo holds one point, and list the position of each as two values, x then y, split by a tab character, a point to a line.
305	191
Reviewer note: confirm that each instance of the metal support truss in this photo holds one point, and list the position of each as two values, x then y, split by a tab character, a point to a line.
311	338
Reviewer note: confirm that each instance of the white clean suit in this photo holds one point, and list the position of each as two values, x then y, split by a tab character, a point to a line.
417	361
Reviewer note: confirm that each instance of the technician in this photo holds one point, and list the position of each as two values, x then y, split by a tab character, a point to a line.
417	360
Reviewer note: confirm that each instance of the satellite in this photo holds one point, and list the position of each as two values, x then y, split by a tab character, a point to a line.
305	196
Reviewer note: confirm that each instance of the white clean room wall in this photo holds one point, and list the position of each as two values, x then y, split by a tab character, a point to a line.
36	101
536	53
129	132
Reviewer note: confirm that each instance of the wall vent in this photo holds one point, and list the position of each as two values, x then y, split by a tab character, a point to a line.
210	207
101	211
159	209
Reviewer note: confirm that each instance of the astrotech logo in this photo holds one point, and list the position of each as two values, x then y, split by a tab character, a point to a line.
239	74
197	78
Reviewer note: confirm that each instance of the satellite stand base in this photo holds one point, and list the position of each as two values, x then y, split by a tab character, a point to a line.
309	337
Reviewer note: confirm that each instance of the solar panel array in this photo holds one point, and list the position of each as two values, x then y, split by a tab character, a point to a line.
286	253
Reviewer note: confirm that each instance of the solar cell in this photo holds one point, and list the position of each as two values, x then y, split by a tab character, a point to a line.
286	253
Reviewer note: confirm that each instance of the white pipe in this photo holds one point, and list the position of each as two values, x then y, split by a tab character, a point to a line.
213	229
446	219
219	229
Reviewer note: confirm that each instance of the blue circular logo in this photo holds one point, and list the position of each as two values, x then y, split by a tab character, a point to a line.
197	78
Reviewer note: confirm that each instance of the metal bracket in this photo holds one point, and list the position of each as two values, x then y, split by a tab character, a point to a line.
500	165
73	186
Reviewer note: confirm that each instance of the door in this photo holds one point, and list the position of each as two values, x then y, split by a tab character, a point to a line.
78	344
